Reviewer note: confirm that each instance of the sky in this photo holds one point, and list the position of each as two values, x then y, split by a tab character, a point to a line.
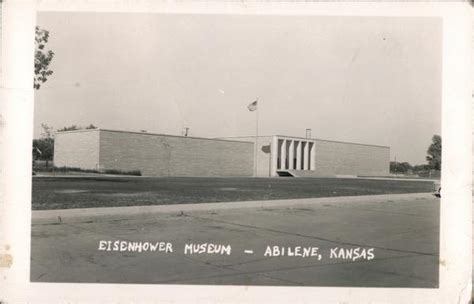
369	80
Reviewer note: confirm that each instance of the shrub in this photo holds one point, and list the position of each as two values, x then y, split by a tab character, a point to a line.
120	172
74	169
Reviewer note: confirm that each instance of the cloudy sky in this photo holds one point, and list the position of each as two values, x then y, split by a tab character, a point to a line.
370	80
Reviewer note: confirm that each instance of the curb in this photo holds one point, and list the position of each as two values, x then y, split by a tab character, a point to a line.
48	216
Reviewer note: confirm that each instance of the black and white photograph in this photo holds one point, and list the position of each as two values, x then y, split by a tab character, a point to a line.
268	150
240	149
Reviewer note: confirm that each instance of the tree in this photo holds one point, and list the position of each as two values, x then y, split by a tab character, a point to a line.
434	153
76	127
419	168
70	128
43	58
47	131
396	167
43	148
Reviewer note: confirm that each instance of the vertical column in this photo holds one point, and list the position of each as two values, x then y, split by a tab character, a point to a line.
274	151
298	155
312	154
283	155
306	156
291	155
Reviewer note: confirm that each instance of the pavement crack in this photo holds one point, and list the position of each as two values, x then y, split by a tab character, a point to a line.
41	275
266	272
377	210
314	237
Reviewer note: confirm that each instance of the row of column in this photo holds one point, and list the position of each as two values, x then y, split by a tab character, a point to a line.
293	154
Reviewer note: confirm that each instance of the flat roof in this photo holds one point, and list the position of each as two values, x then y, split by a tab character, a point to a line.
335	141
147	133
311	139
224	138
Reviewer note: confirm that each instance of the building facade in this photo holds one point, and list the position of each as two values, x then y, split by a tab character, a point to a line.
152	154
305	157
167	155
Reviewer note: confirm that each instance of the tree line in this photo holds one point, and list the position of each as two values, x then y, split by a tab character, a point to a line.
433	159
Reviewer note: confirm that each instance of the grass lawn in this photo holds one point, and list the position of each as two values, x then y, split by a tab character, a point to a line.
87	192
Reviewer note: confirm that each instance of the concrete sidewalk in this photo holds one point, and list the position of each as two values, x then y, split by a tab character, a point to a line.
402	231
70	214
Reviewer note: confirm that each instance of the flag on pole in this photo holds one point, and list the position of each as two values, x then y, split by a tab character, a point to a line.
253	106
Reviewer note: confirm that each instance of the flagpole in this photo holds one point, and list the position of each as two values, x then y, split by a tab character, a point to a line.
256	141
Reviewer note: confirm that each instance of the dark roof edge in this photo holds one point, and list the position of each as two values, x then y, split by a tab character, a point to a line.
150	134
220	138
336	141
315	139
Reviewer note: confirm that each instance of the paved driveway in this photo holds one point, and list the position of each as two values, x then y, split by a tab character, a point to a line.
401	231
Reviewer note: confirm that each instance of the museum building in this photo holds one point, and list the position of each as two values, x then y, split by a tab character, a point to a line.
169	155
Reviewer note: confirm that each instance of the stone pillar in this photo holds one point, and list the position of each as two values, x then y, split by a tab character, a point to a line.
291	155
283	155
298	155
312	154
274	151
306	156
